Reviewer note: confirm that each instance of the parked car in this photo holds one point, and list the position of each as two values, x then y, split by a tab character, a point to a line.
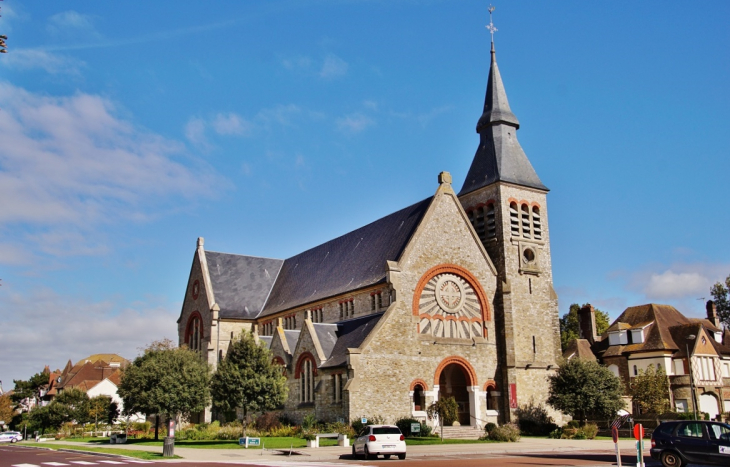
10	437
679	443
374	440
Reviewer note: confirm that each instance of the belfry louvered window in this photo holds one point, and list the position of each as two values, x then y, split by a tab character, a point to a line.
526	221
491	224
514	220
479	222
536	223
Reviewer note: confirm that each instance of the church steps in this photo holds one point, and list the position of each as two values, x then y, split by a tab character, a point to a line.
460	432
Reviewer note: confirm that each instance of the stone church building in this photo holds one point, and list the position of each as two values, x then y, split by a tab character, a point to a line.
451	296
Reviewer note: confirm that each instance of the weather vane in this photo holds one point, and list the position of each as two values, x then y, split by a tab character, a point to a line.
490	26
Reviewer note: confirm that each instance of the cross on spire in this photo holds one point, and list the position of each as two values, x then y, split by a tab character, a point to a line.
490	26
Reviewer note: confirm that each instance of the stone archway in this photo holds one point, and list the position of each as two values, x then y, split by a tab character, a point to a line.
709	404
454	382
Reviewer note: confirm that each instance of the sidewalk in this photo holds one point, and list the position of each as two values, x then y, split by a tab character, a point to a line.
525	445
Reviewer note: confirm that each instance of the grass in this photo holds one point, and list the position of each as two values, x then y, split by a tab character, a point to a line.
268	442
144	455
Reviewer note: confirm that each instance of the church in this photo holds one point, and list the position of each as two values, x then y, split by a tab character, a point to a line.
451	296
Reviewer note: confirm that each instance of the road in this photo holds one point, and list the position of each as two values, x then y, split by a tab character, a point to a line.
18	456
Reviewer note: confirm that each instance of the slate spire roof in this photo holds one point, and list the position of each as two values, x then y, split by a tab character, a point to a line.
499	157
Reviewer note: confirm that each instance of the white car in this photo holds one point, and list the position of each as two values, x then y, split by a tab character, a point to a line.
374	440
10	437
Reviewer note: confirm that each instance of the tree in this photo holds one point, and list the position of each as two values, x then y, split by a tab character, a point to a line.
584	388
247	378
30	389
165	380
570	325
7	410
721	296
102	407
446	409
73	404
650	390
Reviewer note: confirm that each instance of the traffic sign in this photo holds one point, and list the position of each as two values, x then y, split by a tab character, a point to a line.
639	431
614	434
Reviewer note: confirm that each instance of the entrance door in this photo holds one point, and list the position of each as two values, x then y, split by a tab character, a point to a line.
453	382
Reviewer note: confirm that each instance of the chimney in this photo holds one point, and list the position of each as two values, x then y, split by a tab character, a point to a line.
712	313
587	323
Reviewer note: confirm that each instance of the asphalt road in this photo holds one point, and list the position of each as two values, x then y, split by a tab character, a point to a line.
18	456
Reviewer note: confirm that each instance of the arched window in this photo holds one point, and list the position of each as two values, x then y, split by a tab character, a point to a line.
194	332
419	397
526	221
514	220
536	223
305	372
614	369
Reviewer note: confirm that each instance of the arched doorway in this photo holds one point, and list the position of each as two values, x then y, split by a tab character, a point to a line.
454	382
708	403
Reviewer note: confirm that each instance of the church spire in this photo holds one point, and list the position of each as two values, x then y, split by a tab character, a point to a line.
499	157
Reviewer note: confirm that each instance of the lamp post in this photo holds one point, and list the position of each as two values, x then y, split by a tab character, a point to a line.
691	337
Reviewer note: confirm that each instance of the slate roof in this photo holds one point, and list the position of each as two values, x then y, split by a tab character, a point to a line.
350	262
327	336
292	337
241	284
579	348
266	340
350	334
499	156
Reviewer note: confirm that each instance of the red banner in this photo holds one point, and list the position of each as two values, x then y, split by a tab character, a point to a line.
513	396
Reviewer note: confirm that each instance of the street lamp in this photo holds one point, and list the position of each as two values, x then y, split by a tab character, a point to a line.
691	337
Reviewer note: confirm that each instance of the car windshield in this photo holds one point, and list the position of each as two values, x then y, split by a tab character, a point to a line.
386	430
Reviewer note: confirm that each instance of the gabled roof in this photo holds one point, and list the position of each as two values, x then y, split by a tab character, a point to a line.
327	336
499	157
579	348
350	262
350	334
241	284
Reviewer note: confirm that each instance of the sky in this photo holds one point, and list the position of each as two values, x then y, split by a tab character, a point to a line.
127	131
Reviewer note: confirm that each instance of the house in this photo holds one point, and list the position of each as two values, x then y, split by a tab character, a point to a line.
662	337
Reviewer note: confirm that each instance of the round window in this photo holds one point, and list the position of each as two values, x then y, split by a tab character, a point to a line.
528	255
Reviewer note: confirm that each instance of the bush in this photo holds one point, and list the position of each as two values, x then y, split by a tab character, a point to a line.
489	427
590	430
534	420
405	427
357	423
267	421
309	421
341	428
573	424
505	433
285	431
556	433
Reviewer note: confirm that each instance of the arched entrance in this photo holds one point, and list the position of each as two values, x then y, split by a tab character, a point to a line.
708	403
453	382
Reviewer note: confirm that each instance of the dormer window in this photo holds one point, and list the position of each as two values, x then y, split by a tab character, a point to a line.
618	338
718	337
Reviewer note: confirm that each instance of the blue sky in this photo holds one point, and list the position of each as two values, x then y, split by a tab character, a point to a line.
127	131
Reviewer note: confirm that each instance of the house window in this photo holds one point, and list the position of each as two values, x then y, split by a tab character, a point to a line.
536	223
306	381
636	371
514	220
614	369
726	370
678	366
681	405
194	333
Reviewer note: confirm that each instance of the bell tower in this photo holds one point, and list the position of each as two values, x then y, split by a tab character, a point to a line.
507	204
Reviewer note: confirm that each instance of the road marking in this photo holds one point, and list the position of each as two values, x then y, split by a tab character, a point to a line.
24	465
111	462
83	462
53	463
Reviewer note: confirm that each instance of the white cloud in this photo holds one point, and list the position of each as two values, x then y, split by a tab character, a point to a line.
69	163
195	133
333	67
45	328
354	123
280	114
231	124
29	59
670	284
71	22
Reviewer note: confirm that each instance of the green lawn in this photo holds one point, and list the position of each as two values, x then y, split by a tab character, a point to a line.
144	455
269	443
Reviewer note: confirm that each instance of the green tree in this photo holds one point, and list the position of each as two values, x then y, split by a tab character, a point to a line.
721	296
71	405
570	325
650	390
30	389
446	409
102	408
165	380
584	388
247	379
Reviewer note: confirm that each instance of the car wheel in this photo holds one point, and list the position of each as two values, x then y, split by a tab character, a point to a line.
367	453
13	440
402	456
354	454
671	459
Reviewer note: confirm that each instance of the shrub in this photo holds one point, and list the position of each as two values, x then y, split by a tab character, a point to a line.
309	421
489	427
556	433
573	424
357	423
505	433
534	419
590	430
405	427
447	410
285	431
341	428
267	421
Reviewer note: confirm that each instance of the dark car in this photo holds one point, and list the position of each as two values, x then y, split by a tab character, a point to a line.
678	443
